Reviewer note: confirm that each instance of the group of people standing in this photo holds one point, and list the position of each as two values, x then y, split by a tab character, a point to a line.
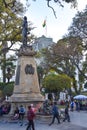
78	105
19	114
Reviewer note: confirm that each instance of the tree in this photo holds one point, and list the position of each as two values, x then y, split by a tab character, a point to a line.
11	4
78	27
56	83
11	28
8	89
11	33
10	67
7	67
74	3
66	57
40	74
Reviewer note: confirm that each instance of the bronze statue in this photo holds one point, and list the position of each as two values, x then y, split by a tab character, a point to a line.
24	31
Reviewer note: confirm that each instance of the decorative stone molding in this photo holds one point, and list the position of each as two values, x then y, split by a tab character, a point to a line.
26	51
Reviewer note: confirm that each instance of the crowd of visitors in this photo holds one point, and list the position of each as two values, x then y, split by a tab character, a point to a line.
78	105
47	108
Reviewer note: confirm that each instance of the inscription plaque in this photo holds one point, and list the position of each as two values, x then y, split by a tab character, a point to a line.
17	80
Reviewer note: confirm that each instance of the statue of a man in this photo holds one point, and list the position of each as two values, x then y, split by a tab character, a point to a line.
24	31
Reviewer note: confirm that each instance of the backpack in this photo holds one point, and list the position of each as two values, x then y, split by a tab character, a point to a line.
30	115
21	110
72	104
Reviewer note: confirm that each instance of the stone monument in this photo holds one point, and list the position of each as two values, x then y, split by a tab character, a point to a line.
26	88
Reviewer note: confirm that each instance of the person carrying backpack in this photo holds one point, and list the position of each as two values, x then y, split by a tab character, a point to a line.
21	114
30	118
55	114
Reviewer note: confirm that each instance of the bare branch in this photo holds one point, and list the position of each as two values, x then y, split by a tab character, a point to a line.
51	8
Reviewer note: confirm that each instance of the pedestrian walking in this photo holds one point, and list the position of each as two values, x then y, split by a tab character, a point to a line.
67	116
30	118
55	114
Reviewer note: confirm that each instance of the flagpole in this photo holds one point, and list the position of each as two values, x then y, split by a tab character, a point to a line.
46	29
46	26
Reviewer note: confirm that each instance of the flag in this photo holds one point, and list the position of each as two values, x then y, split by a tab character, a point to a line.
44	23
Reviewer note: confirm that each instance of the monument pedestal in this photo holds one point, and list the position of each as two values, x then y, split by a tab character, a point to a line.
26	89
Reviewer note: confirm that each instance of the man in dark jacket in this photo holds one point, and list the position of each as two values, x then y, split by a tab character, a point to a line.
30	118
67	117
55	114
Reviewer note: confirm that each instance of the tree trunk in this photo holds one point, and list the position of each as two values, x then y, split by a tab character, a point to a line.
4	68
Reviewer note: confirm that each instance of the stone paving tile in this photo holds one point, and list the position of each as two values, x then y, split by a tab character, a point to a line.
70	127
41	126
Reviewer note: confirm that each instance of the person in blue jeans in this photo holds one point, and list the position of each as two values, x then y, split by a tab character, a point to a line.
55	114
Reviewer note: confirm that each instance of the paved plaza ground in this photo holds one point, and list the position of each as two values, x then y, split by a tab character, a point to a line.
78	122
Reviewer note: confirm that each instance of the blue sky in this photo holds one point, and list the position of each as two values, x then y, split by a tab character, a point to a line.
56	28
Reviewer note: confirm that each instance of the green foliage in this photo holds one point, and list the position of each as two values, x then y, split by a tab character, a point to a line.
66	57
40	73
65	81
8	89
2	85
7	67
56	83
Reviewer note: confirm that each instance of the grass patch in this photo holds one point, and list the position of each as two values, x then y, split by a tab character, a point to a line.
61	106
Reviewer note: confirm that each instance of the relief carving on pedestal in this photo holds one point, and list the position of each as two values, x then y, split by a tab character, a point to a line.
29	69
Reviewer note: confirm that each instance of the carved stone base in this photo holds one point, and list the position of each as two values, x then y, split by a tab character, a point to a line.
26	88
25	99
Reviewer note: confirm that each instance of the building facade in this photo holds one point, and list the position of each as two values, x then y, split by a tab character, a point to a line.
42	42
